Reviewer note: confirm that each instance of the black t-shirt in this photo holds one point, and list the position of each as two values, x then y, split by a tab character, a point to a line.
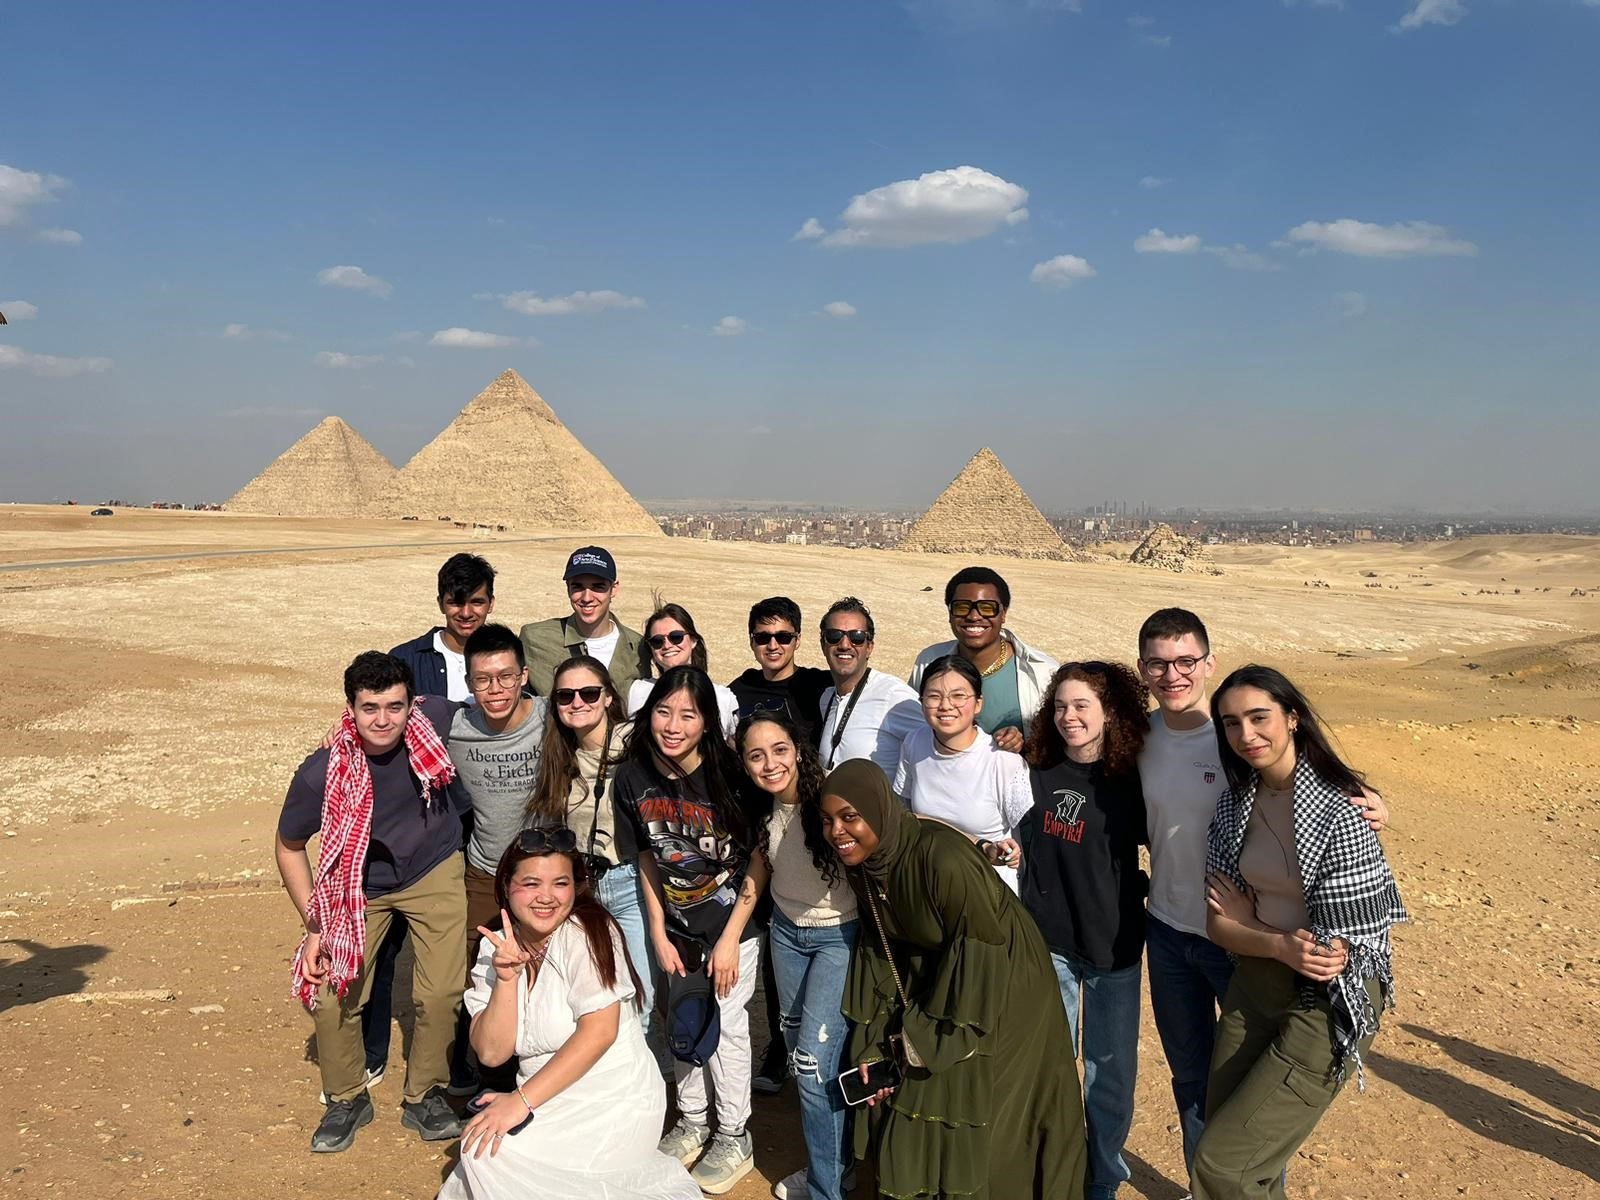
1080	870
702	867
800	695
411	833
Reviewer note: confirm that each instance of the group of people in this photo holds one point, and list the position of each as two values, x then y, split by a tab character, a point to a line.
599	855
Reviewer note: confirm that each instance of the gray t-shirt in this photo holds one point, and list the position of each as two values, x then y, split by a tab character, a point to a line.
498	771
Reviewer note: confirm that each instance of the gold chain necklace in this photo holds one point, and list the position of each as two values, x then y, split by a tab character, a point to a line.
1005	657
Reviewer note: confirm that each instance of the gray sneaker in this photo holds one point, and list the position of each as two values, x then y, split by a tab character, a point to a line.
728	1160
339	1123
374	1078
432	1118
798	1185
683	1141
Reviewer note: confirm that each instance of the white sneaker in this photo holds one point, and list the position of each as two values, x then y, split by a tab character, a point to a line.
793	1187
374	1078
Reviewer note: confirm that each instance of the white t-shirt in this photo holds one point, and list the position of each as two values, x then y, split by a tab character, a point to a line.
727	706
455	671
885	713
603	648
982	790
1182	777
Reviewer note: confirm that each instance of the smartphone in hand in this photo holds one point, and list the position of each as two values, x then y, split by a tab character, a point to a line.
482	1101
882	1074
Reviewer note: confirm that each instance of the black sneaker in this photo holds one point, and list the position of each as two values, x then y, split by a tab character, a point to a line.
431	1117
339	1123
774	1072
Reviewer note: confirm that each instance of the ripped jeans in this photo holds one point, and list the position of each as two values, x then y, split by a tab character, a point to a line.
810	963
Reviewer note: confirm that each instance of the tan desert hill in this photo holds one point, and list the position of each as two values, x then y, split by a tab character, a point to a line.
985	511
331	472
508	460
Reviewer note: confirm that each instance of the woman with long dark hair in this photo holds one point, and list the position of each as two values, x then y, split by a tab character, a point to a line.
554	990
680	811
812	934
1082	883
1298	889
673	641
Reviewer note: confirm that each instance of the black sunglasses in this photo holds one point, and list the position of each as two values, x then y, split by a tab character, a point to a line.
565	696
537	841
658	640
783	637
858	637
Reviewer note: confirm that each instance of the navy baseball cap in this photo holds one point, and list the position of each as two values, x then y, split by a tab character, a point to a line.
694	1022
592	560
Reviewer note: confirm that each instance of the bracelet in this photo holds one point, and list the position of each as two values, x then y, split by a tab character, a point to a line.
525	1103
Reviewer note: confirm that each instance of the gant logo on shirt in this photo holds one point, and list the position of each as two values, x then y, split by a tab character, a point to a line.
1067	820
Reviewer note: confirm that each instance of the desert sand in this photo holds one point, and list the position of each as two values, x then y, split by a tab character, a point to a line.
158	701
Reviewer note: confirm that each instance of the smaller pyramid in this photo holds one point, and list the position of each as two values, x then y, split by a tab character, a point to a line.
1166	550
985	511
331	472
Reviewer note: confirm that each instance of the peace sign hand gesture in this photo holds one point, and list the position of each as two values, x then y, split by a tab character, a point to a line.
510	959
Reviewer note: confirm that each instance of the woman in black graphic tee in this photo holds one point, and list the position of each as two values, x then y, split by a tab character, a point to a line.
1082	883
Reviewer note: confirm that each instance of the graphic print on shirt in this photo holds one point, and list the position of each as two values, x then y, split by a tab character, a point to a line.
690	849
1208	770
1066	822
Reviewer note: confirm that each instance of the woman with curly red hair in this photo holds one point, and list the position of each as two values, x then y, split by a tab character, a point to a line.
1082	883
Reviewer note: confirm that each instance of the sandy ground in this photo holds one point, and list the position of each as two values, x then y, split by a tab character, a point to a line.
155	709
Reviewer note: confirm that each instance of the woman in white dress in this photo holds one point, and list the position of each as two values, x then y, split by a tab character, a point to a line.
550	991
675	642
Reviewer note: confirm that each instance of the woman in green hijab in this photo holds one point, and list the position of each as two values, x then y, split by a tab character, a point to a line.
951	977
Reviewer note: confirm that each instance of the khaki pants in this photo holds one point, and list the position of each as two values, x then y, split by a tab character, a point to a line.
435	908
481	910
1271	1081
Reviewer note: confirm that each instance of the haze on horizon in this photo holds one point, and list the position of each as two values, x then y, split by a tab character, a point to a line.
1261	253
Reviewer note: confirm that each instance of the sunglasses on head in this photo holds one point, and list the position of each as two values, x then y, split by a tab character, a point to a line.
537	841
858	637
984	608
783	637
565	696
658	640
776	704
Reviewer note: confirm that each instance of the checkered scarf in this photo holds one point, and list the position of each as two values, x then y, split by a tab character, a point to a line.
338	904
1350	894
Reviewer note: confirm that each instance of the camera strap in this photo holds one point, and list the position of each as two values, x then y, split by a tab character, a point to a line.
844	717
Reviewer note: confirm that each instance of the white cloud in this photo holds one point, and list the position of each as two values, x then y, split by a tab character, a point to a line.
730	327
1411	239
19	310
811	229
61	237
49	364
355	279
240	332
470	339
336	361
529	304
1351	304
1432	12
21	190
958	205
1241	258
842	309
1151	182
1159	242
1061	271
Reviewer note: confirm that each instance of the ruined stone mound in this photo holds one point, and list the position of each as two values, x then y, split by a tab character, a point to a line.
1164	549
984	511
331	472
508	460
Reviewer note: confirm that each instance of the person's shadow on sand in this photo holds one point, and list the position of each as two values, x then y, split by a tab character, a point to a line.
1566	1142
47	972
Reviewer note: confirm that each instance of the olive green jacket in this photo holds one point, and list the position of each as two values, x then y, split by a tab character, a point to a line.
548	644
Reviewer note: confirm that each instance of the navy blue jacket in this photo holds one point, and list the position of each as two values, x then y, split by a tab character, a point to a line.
426	663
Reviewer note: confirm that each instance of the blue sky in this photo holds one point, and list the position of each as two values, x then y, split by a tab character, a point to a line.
1252	253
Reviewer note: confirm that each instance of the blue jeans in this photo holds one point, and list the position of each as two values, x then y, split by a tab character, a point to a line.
810	963
1188	978
618	891
1109	1020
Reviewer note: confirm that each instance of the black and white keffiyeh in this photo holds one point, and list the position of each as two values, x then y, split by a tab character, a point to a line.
1349	890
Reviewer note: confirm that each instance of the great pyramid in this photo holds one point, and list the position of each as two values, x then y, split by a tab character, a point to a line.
985	511
508	460
331	472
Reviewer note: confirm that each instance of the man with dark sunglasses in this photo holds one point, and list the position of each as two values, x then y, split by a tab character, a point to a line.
591	579
866	713
776	684
1015	675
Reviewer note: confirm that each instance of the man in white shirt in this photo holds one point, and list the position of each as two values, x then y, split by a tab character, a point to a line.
866	713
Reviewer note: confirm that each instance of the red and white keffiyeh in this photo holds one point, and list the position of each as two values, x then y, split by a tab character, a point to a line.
338	904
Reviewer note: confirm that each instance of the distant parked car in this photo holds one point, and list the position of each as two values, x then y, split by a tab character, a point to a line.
446	517
102	512
408	518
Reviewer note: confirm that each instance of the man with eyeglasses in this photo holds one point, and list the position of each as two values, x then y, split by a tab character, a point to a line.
592	587
776	683
1014	674
866	713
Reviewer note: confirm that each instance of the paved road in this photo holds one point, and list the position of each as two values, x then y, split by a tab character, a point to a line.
55	564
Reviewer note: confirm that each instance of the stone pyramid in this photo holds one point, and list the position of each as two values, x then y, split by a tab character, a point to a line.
331	472
1163	548
508	460
984	511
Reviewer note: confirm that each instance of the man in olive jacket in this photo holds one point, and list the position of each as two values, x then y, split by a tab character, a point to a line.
591	579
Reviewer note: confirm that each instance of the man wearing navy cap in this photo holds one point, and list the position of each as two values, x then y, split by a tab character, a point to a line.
591	578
